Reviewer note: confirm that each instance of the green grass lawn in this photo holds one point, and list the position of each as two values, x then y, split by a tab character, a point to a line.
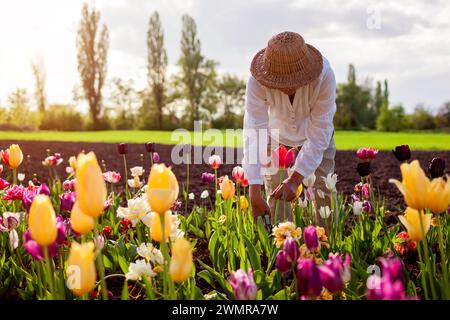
345	140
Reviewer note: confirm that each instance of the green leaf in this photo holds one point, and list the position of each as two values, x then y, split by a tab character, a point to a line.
252	254
125	295
123	264
211	276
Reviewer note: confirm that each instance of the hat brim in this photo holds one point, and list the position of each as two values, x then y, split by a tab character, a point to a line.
287	81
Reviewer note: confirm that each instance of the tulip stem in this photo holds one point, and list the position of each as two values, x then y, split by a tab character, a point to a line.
187	189
126	175
14	176
427	257
101	266
49	273
443	258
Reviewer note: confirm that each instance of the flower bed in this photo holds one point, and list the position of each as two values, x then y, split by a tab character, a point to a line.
78	235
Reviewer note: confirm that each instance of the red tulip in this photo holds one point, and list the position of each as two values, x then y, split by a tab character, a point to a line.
283	158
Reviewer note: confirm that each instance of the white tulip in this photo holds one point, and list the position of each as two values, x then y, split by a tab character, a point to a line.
330	181
191	196
320	194
137	171
325	212
205	194
309	181
357	208
139	269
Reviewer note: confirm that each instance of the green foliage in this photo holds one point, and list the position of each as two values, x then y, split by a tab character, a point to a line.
421	119
391	119
353	101
62	118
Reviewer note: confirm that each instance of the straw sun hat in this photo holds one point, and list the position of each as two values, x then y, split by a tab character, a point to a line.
287	62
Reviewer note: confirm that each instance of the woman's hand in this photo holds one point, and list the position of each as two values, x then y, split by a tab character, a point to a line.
287	190
259	205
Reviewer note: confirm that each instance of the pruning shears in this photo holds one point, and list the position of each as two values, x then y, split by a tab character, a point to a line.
268	222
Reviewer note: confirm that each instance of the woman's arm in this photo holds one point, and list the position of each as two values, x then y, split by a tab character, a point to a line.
256	121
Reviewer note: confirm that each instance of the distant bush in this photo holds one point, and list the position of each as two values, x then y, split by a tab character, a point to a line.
62	118
421	119
391	119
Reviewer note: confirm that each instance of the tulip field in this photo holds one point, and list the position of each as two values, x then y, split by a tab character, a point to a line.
73	227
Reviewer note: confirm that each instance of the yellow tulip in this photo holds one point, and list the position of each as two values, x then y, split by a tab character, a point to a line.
411	221
414	186
162	191
227	188
15	156
243	202
438	197
155	226
90	187
73	162
42	221
299	191
81	271
181	263
81	223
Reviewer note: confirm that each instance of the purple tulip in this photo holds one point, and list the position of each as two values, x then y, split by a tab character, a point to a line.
311	238
36	251
290	247
43	189
388	286
363	168
156	158
367	206
150	147
309	283
122	148
243	284
282	263
392	268
334	272
67	200
207	177
436	168
402	153
27	198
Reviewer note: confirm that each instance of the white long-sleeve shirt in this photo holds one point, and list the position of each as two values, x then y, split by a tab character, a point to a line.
307	122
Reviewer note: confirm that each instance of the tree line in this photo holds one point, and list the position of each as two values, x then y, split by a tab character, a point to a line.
195	92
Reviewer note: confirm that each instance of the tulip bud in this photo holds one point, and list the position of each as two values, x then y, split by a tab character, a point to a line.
311	239
156	158
42	221
438	196
214	161
90	187
402	153
282	264
308	278
15	156
162	191
150	147
81	223
243	202
290	247
81	271
181	263
73	162
243	284
436	168
227	188
155	226
122	148
363	168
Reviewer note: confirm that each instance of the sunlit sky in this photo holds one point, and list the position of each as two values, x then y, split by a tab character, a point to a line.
411	48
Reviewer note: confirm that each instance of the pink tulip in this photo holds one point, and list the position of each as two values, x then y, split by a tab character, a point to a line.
283	158
112	177
309	283
3	184
311	238
366	154
243	284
